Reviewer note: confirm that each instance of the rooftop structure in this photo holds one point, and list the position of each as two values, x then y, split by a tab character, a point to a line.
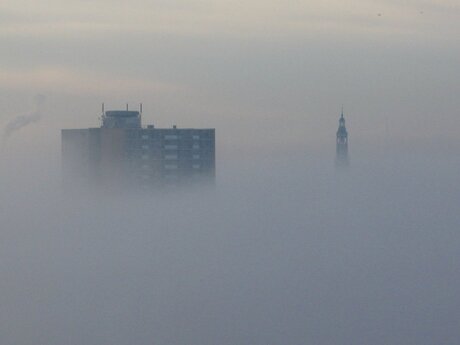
121	119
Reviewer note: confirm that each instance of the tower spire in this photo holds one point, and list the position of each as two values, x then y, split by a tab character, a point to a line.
342	143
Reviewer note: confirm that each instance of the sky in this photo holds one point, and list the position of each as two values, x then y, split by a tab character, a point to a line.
285	249
280	66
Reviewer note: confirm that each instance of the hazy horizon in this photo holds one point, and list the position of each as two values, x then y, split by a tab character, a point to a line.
285	249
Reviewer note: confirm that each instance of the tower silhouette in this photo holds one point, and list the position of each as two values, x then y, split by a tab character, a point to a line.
342	144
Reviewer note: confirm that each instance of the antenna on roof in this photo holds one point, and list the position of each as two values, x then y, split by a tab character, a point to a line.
126	106
101	118
140	108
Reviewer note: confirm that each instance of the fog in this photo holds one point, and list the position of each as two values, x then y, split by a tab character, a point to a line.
284	248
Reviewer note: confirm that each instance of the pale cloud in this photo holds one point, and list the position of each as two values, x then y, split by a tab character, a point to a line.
65	80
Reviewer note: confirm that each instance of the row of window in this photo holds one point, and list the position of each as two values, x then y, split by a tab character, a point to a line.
171	147
170	175
170	137
175	147
169	157
172	166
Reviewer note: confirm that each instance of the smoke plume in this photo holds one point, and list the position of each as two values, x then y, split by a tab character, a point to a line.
21	121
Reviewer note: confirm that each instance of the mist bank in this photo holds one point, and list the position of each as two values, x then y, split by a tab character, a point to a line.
284	249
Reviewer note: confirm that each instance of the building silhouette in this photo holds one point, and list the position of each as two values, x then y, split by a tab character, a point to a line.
342	144
122	152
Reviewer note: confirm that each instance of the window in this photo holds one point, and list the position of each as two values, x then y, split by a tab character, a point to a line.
144	136
145	157
195	146
170	166
195	166
171	137
171	147
195	137
170	157
196	156
145	147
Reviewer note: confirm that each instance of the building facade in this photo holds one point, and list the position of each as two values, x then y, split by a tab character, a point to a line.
122	152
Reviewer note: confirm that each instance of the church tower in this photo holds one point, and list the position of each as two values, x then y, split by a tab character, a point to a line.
342	143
